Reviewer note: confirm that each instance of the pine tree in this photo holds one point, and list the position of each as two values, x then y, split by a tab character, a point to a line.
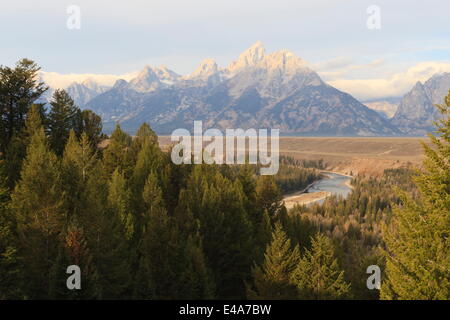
213	206
117	154
154	272
119	198
17	147
38	204
418	244
149	160
19	88
272	280
106	239
79	159
318	276
171	266
268	196
144	135
246	177
63	117
92	126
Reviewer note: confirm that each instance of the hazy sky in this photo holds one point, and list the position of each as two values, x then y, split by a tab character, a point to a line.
118	37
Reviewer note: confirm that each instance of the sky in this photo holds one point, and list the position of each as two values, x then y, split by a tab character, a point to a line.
117	38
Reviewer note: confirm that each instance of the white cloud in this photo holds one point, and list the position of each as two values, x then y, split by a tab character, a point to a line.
395	85
62	81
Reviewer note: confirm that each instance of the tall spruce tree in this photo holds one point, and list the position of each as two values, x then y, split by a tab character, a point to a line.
38	203
119	198
418	243
16	150
106	238
268	196
79	159
91	124
63	117
19	89
117	154
318	275
272	280
170	265
225	228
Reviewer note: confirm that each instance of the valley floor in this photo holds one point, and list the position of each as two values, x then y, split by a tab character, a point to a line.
352	155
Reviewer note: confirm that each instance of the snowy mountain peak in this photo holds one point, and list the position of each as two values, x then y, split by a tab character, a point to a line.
146	81
166	75
249	57
207	68
286	61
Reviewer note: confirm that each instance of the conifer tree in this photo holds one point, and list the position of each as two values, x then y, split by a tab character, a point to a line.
63	117
38	204
17	147
149	160
144	135
92	126
171	266
318	275
154	255
79	159
225	229
119	198
247	180
269	196
272	280
418	243
19	88
117	154
106	239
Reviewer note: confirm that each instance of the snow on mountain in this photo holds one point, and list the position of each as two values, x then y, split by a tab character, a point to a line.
276	90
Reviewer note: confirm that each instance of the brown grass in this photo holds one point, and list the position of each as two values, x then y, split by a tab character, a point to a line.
351	155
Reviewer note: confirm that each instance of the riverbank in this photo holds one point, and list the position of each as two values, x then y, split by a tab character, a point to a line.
305	198
332	183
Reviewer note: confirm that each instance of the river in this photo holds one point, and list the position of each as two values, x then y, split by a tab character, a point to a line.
332	184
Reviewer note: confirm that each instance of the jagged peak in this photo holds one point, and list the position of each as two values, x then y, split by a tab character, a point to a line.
165	73
146	71
285	60
249	57
206	68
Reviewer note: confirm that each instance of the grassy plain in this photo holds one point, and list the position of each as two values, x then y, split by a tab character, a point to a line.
352	155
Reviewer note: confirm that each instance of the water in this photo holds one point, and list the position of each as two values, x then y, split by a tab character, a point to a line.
335	184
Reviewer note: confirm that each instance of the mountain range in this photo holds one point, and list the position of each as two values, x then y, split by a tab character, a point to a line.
416	112
257	90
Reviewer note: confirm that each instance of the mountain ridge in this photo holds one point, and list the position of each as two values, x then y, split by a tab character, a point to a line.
277	90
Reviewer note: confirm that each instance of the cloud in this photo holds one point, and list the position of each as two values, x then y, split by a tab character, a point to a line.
62	81
392	86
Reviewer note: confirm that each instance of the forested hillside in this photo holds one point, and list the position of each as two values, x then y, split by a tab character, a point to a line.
141	227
